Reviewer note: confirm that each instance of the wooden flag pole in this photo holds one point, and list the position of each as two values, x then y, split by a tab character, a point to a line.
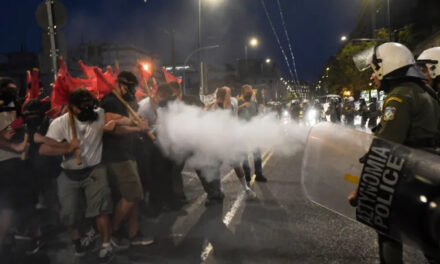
132	112
74	136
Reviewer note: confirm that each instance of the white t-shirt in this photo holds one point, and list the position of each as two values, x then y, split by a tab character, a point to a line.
89	134
147	111
6	118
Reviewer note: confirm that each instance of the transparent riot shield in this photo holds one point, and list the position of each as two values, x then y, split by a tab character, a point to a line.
331	167
397	188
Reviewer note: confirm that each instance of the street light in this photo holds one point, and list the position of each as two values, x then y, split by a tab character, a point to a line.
253	42
344	38
328	68
268	60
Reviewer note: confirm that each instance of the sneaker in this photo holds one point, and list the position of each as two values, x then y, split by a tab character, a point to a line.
80	250
250	194
35	246
141	240
119	242
106	254
261	178
89	238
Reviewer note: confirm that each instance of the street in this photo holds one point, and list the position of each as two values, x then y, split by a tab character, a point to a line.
280	226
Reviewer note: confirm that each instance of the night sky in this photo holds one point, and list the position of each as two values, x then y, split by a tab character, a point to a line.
314	26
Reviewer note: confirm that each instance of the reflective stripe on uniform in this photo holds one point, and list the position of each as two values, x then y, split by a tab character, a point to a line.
393	98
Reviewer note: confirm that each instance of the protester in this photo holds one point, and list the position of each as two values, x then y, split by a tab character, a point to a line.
15	195
161	192
119	157
225	101
247	109
85	183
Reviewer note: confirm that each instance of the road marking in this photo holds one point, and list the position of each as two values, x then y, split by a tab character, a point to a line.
352	178
227	219
179	224
253	176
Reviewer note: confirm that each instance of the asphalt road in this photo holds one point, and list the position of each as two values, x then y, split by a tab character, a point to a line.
280	226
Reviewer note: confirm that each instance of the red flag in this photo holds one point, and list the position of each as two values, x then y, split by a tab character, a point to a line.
155	87
140	94
104	84
28	79
60	89
87	70
65	84
33	86
169	77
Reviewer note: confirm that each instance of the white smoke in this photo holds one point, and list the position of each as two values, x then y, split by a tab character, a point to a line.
205	138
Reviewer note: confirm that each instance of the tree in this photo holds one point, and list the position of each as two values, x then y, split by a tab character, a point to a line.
344	75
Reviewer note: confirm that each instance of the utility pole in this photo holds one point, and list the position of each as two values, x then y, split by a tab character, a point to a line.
51	31
173	50
199	46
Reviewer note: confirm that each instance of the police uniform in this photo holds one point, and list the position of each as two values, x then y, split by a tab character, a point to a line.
410	117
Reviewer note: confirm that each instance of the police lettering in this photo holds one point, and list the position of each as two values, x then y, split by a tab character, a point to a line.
380	175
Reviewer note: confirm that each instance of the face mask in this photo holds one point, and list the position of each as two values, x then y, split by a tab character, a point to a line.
33	121
87	114
8	95
129	96
247	97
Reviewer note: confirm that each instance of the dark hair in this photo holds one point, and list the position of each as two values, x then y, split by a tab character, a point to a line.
165	90
175	85
128	78
5	81
35	105
79	96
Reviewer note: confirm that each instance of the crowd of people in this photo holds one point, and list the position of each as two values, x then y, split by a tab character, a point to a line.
92	166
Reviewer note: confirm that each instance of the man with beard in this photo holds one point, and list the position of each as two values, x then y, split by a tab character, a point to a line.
119	157
81	185
248	108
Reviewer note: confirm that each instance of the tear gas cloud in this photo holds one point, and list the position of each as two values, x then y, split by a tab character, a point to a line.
205	138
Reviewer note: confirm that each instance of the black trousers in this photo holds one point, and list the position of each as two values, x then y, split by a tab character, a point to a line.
257	165
390	250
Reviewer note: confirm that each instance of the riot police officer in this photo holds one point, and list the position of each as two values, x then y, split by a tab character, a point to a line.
349	111
295	108
410	112
373	113
429	66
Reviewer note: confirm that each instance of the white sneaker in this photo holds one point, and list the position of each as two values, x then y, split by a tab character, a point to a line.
250	194
89	238
106	254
